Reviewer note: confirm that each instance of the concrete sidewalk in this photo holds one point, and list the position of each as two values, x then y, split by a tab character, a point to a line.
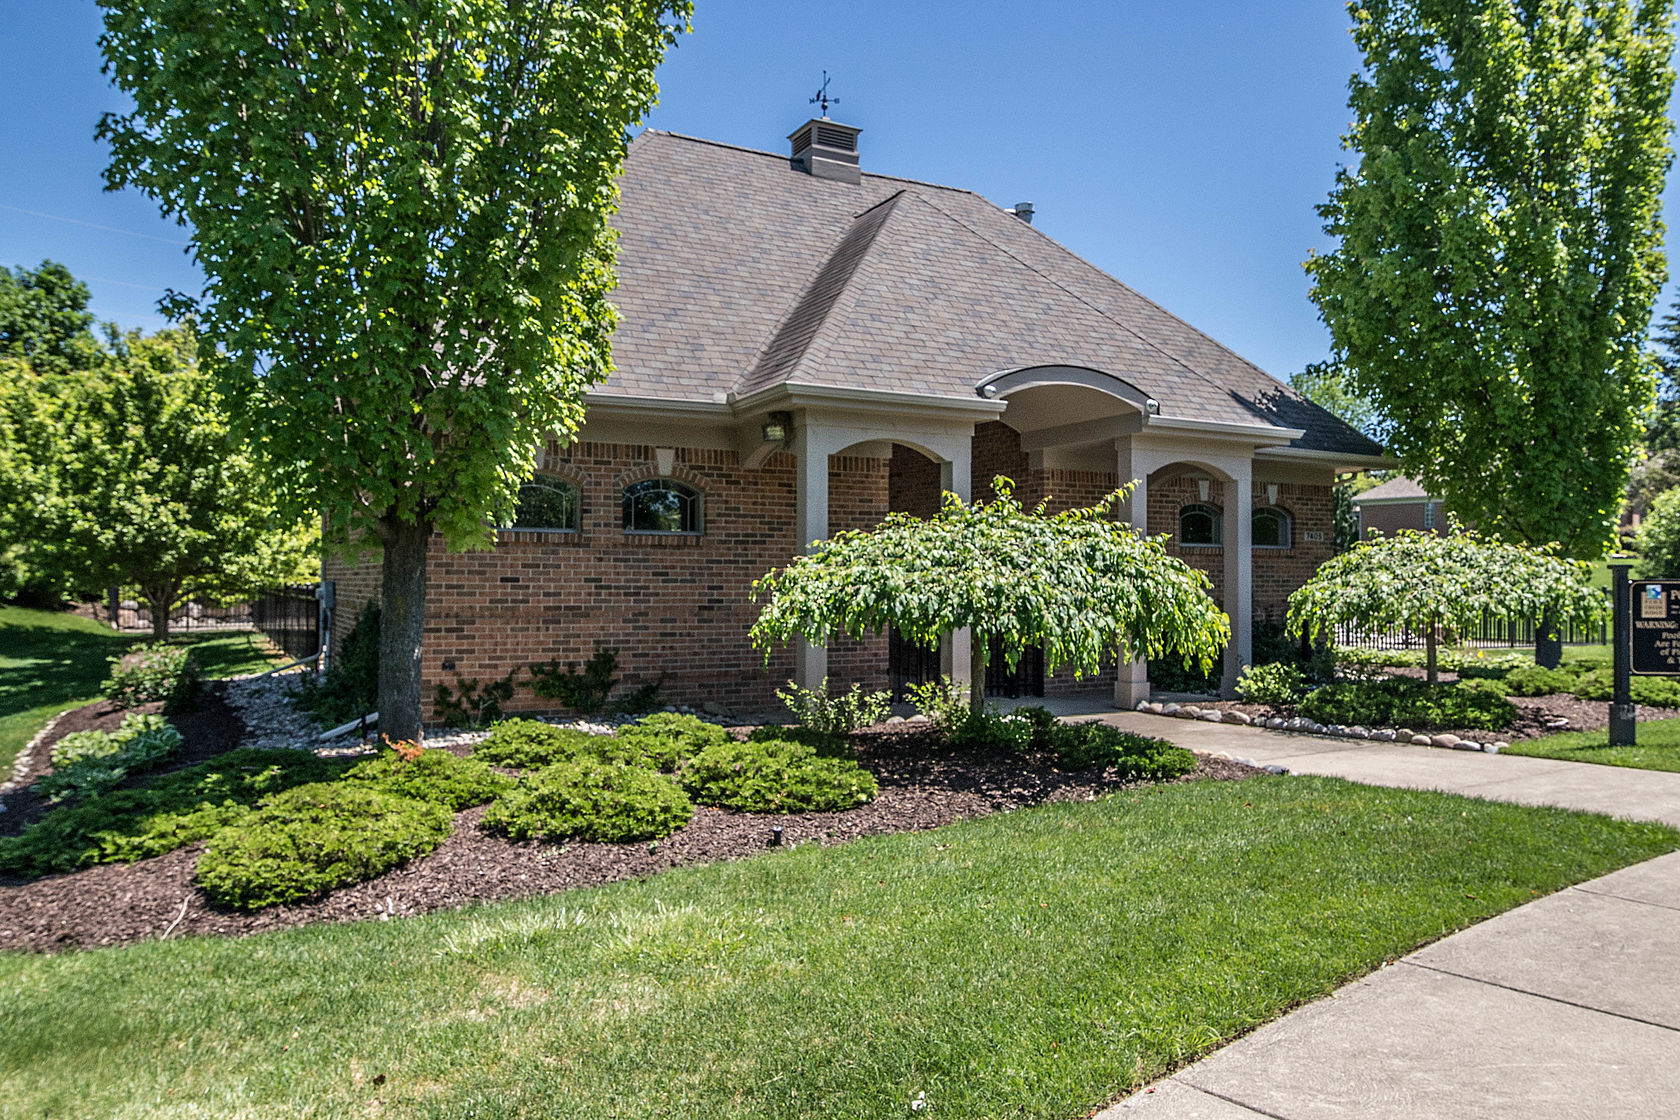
1565	1007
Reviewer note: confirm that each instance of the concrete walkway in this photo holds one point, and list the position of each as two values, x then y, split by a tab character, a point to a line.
1568	1006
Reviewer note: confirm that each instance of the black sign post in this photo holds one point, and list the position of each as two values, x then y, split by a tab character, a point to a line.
1623	723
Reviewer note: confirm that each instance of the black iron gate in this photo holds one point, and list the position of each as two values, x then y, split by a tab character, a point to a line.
908	663
1026	680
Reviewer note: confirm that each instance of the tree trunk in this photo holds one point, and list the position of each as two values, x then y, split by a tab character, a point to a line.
160	598
978	646
1548	643
402	620
1429	643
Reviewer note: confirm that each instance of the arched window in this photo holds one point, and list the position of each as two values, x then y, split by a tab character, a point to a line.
546	504
661	505
1200	524
1271	528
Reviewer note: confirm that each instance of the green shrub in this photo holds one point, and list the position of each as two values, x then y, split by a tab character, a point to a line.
826	744
1488	686
471	704
1277	683
1532	680
1491	665
432	775
943	703
583	691
776	776
1650	692
642	699
149	673
666	740
1170	674
303	842
89	763
529	744
1658	544
1355	663
1081	746
1405	702
588	799
350	687
842	714
990	729
168	811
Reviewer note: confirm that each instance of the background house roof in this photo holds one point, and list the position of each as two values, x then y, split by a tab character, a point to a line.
738	272
1397	489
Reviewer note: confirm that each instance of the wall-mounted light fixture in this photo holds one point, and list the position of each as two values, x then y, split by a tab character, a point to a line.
778	427
1271	493
1202	487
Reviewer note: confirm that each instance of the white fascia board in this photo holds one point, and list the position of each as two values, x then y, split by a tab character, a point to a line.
1339	461
1251	433
656	407
794	395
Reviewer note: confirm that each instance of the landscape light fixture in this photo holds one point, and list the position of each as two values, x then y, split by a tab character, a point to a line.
777	427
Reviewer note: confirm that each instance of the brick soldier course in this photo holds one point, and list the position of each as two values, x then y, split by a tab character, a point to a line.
806	347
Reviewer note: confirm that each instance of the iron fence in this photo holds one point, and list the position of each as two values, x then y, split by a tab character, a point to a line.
1492	633
289	616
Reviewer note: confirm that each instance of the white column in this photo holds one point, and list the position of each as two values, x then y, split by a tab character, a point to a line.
956	653
1239	571
1132	683
811	451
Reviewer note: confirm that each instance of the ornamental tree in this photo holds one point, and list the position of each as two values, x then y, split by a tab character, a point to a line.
1079	584
402	210
126	475
1500	248
1427	583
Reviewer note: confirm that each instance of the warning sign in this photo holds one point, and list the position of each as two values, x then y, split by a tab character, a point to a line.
1656	627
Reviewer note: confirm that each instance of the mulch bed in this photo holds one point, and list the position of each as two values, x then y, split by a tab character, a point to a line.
210	729
923	785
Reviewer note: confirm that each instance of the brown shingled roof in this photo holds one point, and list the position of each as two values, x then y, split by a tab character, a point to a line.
738	272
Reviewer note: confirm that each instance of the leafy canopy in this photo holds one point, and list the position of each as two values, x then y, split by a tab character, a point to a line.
1500	249
44	319
127	475
1079	584
402	210
1420	580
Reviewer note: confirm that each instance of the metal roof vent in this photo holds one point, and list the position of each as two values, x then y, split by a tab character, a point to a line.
826	150
1023	211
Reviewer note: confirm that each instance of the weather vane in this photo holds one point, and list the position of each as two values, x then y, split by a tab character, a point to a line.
821	97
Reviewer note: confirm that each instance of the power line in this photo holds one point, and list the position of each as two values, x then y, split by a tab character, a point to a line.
94	225
98	279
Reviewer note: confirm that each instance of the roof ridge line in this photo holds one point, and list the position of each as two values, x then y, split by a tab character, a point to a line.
810	297
784	159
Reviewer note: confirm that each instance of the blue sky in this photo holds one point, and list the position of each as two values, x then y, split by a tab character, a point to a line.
1181	147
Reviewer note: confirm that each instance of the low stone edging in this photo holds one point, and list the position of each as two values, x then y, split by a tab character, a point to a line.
1305	726
20	764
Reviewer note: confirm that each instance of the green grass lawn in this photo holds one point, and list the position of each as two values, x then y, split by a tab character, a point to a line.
1657	747
50	661
1030	964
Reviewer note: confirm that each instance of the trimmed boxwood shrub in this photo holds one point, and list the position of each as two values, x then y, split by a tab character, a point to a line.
1278	683
1651	692
154	672
1081	746
529	744
432	775
1532	680
666	740
826	744
776	776
588	799
304	842
1405	702
169	811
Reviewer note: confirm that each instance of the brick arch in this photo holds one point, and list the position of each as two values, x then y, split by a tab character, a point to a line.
677	473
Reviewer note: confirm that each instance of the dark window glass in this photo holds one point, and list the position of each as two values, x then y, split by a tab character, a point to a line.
660	505
1199	524
1271	528
546	503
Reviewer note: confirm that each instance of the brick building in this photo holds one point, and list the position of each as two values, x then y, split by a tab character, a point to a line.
804	347
1399	503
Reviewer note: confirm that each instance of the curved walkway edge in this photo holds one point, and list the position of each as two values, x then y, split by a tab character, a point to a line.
1567	1006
